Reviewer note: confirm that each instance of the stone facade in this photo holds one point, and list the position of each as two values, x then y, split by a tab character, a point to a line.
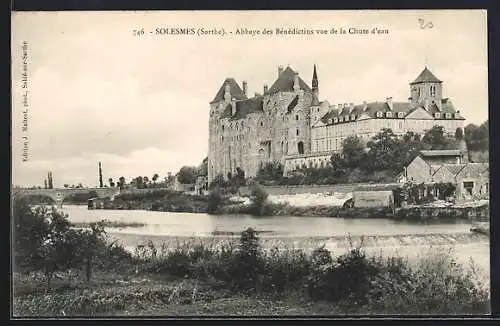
248	132
425	109
288	124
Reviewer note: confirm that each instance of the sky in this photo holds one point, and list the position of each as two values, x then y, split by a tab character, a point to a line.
140	103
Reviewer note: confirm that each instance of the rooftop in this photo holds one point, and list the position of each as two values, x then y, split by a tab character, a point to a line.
440	152
426	76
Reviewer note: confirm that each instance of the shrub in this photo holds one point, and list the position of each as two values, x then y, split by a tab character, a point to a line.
214	200
258	198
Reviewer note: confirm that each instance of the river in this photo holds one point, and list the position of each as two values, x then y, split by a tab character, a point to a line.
382	235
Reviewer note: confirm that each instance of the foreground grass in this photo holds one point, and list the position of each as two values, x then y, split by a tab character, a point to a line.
156	287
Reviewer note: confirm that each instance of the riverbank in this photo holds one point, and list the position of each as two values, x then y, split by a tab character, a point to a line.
303	204
200	280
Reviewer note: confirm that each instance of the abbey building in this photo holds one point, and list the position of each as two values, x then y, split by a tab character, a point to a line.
288	124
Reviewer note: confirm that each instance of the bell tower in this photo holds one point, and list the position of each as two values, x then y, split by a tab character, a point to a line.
426	90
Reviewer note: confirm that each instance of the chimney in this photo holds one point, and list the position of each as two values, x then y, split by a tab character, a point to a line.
389	102
266	89
257	94
233	107
280	70
346	105
244	83
365	106
334	107
227	93
296	86
341	105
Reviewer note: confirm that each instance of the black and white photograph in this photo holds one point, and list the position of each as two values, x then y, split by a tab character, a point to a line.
250	163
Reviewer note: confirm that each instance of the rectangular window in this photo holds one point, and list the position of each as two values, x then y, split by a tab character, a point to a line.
468	187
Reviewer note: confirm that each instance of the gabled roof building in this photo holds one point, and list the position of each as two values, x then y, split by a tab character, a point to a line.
289	124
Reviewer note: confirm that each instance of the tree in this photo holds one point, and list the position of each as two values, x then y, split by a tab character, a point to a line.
203	168
100	176
477	137
111	183
435	138
66	185
45	184
383	148
155	177
145	179
353	151
122	182
214	200
80	185
139	182
187	175
409	147
50	184
217	182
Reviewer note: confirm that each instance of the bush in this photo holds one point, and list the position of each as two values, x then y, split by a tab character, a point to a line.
214	201
44	241
258	198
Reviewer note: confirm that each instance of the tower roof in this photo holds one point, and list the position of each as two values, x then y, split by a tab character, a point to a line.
284	83
234	89
426	76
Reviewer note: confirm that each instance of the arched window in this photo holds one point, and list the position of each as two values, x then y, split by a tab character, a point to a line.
297	132
222	127
300	147
297	117
262	123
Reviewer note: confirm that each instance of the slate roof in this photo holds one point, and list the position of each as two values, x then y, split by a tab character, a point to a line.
477	167
454	168
285	81
373	107
426	76
234	88
245	107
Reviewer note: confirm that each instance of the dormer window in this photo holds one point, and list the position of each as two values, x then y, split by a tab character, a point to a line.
335	120
437	115
330	121
457	115
346	118
448	115
379	114
388	114
353	117
401	114
341	119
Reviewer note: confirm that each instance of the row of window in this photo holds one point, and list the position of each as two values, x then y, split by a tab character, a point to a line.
389	114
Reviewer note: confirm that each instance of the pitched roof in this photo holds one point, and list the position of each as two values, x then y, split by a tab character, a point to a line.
234	89
426	76
440	152
477	167
454	168
285	82
245	107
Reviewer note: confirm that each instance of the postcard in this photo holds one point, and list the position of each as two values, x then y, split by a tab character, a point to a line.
250	163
